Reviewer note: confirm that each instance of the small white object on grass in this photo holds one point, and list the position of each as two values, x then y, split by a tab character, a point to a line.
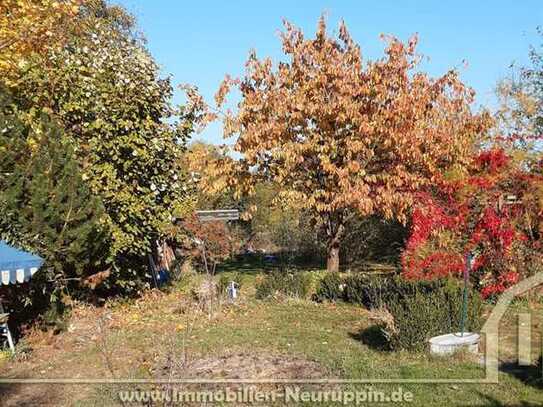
232	290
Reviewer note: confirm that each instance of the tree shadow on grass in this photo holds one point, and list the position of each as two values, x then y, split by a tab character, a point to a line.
256	263
529	375
372	337
245	264
493	402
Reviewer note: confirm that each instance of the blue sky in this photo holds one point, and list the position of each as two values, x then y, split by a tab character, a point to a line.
198	42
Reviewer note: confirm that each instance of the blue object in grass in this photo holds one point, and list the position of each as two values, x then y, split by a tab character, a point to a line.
271	259
163	276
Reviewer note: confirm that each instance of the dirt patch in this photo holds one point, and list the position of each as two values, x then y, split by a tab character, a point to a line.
239	365
250	366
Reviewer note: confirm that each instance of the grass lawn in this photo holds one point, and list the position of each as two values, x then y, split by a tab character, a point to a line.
162	334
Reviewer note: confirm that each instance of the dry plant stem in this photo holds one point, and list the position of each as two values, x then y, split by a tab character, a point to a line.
106	351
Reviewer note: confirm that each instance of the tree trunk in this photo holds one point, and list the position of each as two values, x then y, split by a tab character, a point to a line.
335	233
332	262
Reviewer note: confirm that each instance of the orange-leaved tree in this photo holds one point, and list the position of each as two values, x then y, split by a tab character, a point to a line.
340	135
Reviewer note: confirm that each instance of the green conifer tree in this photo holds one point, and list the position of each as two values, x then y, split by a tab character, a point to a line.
46	206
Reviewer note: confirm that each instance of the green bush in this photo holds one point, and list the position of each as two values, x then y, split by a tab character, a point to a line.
284	283
372	291
416	311
329	288
411	312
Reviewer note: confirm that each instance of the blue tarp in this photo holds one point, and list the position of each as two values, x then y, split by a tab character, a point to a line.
17	266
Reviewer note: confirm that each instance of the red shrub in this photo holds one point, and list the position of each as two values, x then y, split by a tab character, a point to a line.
471	216
492	160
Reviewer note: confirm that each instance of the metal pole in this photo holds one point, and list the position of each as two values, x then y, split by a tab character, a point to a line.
465	299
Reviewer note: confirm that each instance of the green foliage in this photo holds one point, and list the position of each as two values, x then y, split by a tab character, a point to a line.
372	291
408	312
519	113
293	284
57	317
421	310
279	227
46	206
115	114
329	288
372	238
296	237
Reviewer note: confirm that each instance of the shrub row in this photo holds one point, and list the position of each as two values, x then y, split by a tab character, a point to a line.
283	283
428	309
330	288
408	312
363	289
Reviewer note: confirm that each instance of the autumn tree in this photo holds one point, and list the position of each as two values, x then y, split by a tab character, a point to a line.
32	26
495	214
198	158
519	115
533	77
208	242
341	135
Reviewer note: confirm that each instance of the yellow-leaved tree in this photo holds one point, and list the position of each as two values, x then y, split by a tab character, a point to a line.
31	26
341	135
